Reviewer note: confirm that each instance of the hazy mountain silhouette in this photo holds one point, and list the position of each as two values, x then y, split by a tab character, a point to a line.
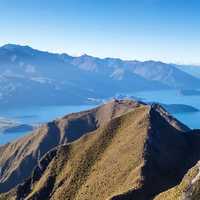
27	74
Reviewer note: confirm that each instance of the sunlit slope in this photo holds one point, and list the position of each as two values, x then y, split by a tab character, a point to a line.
98	165
136	155
18	158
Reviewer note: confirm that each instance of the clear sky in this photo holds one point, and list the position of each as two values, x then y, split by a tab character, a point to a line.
166	30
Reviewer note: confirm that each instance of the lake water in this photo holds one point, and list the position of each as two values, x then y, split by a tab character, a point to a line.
38	115
173	97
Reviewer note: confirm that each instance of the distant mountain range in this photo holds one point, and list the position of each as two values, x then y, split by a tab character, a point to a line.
194	70
122	150
32	77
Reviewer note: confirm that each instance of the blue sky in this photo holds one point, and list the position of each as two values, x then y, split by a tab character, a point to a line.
166	30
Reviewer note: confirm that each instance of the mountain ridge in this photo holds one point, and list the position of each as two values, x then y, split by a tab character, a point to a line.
62	79
132	145
27	150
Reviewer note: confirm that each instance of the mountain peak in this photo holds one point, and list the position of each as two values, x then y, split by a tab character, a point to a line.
15	49
121	134
85	55
15	46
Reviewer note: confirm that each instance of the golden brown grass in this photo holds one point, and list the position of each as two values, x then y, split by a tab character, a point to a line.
100	164
20	157
131	149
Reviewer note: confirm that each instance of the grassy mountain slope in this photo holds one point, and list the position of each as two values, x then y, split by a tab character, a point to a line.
137	154
18	158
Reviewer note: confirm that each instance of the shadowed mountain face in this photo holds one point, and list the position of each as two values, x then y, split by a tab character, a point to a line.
189	187
121	150
27	73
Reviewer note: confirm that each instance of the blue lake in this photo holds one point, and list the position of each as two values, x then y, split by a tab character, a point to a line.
39	115
173	97
36	115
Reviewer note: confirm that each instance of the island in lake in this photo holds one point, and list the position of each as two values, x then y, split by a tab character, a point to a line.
11	126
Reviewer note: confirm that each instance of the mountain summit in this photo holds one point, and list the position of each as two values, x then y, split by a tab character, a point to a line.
120	150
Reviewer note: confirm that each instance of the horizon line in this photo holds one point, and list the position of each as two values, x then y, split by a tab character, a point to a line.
76	55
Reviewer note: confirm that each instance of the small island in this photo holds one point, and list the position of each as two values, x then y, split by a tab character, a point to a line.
10	126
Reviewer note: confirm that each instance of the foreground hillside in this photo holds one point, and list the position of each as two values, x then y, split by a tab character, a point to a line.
18	158
121	150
